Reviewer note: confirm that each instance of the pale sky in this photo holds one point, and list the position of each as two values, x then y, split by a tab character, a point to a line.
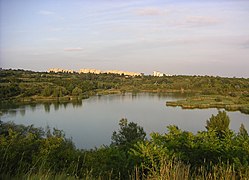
195	37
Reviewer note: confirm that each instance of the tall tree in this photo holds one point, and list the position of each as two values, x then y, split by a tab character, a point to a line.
219	123
242	131
77	91
129	134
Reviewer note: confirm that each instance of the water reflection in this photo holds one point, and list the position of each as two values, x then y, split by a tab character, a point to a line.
33	107
22	112
56	106
12	112
77	103
47	107
65	104
13	108
92	124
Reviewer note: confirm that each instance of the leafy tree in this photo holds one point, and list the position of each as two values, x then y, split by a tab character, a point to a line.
9	90
70	87
219	123
123	140
59	92
242	131
77	91
129	134
47	91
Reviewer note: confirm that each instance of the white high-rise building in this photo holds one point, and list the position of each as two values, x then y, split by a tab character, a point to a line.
159	74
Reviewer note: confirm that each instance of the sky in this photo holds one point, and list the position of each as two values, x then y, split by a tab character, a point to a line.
187	37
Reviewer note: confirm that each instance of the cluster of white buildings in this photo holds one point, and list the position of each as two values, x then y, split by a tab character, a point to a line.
57	70
96	71
127	73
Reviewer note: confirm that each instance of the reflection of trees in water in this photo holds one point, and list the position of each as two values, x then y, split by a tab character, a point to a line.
56	106
14	108
22	111
3	111
77	103
8	108
32	106
12	112
65	104
134	95
177	95
47	107
11	107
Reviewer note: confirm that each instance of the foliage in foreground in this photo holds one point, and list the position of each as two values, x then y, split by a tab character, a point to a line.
217	153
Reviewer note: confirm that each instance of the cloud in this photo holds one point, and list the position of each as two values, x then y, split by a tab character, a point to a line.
73	49
201	20
46	13
150	11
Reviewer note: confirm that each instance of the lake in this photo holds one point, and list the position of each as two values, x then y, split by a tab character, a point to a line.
91	122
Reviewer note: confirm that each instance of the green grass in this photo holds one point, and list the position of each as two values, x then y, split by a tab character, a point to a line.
171	170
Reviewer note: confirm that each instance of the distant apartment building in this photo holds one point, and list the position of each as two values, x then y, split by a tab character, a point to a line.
159	74
94	71
126	73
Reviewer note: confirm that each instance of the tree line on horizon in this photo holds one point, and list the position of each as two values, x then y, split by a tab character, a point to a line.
18	84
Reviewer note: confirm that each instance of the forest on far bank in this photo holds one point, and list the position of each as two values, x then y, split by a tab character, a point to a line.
21	83
208	91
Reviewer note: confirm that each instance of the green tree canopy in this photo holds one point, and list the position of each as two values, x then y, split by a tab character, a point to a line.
47	91
129	134
219	123
76	91
242	131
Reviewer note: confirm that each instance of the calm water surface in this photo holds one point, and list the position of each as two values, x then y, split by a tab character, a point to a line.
92	122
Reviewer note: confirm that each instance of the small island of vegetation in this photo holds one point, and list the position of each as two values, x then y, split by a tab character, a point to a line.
213	101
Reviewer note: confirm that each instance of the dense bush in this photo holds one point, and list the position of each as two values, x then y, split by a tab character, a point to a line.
26	151
9	90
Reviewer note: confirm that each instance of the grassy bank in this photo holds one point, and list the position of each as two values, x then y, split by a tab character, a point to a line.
168	171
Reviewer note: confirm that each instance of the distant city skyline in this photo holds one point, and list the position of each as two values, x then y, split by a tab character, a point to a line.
187	37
